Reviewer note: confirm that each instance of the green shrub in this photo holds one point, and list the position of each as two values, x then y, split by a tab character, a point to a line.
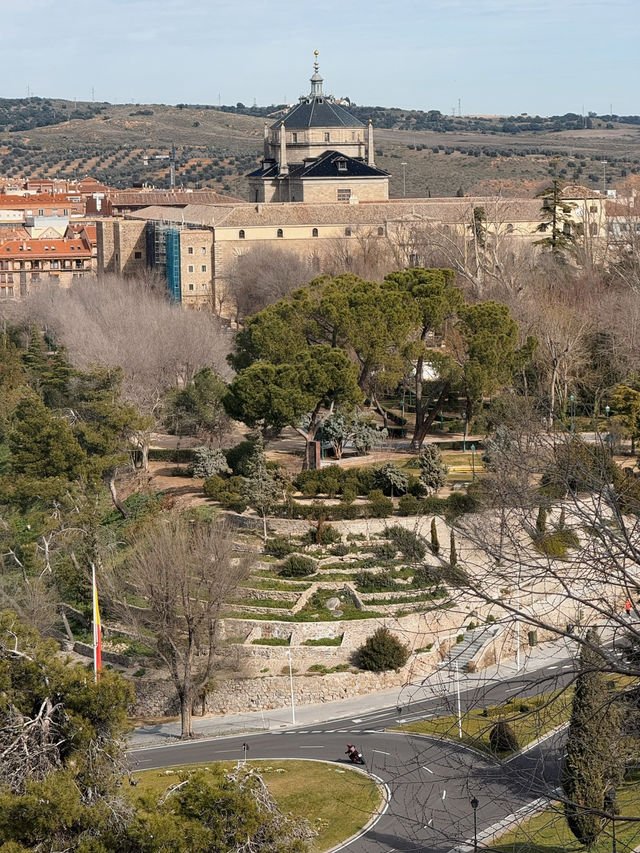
425	577
381	651
435	542
279	546
385	551
213	486
409	543
239	456
339	550
556	544
502	738
297	566
378	506
375	581
157	454
324	641
409	505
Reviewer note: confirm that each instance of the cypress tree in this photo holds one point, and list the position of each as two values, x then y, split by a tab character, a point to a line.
593	761
453	554
541	520
435	544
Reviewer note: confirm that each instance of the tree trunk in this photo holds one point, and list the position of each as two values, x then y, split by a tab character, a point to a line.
186	717
421	433
111	482
264	527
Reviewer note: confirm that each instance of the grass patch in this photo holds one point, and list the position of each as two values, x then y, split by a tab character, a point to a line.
547	832
529	717
324	641
556	544
280	586
321	669
264	602
271	641
337	801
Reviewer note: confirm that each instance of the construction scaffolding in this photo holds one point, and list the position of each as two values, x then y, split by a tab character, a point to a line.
163	253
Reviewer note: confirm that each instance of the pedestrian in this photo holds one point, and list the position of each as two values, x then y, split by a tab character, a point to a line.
627	607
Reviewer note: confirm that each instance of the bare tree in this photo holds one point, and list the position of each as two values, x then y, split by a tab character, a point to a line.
264	274
184	572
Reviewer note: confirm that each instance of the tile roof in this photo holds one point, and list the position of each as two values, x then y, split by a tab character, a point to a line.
330	164
318	112
45	249
30	201
137	198
436	210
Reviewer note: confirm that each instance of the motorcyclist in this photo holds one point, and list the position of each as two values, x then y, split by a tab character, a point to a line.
352	752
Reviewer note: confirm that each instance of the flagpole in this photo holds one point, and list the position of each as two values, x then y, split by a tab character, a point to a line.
97	640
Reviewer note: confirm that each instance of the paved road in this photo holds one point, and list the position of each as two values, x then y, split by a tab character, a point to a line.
430	781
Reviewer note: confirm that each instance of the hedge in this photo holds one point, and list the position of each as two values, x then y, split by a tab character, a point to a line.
158	454
456	504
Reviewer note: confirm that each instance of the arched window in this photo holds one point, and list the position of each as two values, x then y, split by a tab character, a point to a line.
314	233
380	231
509	228
280	233
347	232
241	234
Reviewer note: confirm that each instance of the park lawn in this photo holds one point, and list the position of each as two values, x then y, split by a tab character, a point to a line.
337	801
547	832
529	717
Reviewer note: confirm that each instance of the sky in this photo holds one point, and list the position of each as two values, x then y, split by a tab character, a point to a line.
492	56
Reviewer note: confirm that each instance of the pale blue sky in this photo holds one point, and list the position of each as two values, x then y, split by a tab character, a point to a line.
497	56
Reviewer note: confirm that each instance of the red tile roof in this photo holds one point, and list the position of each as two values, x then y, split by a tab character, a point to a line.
45	249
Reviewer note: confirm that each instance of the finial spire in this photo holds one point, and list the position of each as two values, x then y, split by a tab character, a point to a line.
316	79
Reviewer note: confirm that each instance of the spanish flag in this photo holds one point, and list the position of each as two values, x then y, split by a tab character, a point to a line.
97	638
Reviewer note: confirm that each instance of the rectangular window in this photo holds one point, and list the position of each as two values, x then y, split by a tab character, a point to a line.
593	209
203	250
137	256
203	267
190	287
190	267
327	137
344	194
294	137
10	291
190	250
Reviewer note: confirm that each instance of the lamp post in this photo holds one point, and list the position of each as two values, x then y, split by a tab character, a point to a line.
474	806
464	432
607	410
441	421
293	704
473	463
404	180
572	412
610	802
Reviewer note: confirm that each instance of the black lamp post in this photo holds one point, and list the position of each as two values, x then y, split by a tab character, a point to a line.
610	802
474	806
572	410
473	462
464	434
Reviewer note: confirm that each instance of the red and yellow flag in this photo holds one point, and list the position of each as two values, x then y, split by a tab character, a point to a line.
97	636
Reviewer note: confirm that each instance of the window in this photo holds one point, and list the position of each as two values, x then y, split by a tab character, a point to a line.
66	211
241	234
342	165
190	287
203	268
41	212
55	265
314	232
137	256
190	267
353	134
380	231
280	233
9	291
509	228
10	278
344	194
593	208
190	250
203	250
593	229
294	137
347	232
327	137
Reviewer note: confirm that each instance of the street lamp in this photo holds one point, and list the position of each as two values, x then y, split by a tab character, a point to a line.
610	803
474	806
293	704
473	463
464	433
572	412
404	180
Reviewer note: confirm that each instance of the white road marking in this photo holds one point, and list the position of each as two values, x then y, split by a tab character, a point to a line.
380	751
330	731
316	732
568	666
373	732
552	667
342	731
444	794
357	720
311	747
428	770
513	689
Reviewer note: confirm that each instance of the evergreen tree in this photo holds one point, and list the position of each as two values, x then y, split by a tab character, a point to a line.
390	479
433	472
435	544
556	220
541	520
593	761
261	488
453	554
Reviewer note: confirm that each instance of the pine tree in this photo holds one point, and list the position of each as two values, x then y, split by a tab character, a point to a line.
261	489
593	762
541	520
433	472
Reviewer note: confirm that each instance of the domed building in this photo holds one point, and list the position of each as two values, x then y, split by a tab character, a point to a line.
318	152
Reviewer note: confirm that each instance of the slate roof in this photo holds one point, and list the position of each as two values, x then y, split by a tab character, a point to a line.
327	165
318	112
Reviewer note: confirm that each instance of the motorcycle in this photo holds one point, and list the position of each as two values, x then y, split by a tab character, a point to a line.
355	757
